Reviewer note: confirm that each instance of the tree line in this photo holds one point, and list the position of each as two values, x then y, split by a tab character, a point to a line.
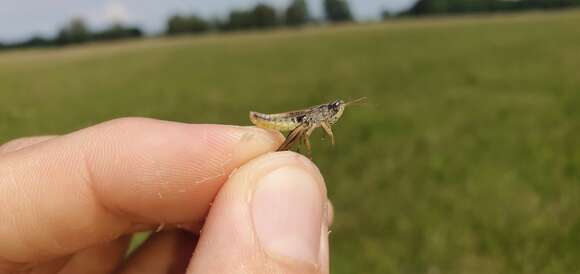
261	16
434	7
77	31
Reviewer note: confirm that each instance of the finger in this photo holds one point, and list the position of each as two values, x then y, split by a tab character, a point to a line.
324	252
92	186
103	258
21	143
165	252
268	218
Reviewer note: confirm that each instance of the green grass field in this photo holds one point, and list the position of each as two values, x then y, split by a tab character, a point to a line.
466	160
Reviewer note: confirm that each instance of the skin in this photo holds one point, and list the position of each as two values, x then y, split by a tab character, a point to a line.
71	202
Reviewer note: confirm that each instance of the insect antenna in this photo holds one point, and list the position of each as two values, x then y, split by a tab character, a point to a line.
358	101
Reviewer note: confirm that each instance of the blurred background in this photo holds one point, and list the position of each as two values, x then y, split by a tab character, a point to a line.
465	160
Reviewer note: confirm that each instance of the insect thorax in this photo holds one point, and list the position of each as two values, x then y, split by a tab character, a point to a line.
335	114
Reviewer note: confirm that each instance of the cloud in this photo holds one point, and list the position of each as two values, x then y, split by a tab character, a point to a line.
116	12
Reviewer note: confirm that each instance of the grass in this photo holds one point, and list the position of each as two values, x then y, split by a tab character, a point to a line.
467	159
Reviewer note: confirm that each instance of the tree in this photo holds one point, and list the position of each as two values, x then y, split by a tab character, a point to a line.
261	16
239	20
264	16
297	13
337	10
198	24
186	24
76	31
177	24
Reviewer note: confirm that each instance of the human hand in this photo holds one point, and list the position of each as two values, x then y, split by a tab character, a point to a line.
69	203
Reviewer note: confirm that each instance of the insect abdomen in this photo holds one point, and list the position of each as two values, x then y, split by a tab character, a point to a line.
273	121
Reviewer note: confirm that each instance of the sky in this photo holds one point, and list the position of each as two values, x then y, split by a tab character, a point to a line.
23	18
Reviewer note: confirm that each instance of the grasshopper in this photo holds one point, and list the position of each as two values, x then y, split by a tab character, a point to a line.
301	123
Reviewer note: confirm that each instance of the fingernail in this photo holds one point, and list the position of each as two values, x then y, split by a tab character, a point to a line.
287	210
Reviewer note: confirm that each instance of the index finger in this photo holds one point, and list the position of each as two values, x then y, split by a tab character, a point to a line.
93	185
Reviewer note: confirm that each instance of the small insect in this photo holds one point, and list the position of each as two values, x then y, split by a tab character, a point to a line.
301	123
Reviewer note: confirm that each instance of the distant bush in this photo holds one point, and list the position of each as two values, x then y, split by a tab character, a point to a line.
337	10
186	24
296	13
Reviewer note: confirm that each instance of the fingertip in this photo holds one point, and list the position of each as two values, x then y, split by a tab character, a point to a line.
270	213
287	212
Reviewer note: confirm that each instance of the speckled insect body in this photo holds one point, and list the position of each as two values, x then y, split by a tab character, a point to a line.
302	123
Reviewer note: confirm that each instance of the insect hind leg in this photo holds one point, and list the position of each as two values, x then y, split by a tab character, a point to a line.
293	137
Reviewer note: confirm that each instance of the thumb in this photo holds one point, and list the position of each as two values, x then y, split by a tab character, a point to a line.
270	217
